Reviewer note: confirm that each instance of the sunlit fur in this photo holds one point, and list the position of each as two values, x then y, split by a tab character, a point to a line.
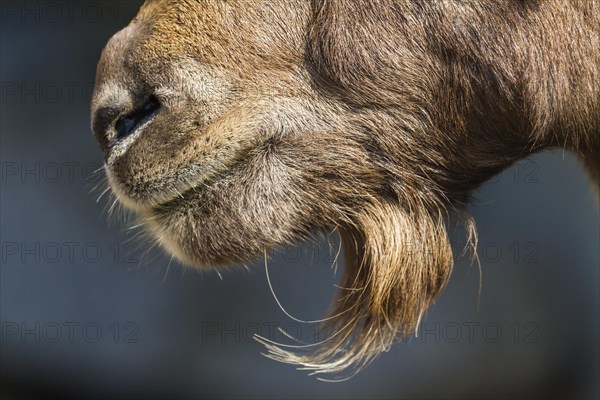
283	118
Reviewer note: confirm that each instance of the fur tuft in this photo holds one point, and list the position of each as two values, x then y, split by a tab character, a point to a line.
396	262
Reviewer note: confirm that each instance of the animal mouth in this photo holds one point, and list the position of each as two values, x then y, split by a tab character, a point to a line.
181	191
204	184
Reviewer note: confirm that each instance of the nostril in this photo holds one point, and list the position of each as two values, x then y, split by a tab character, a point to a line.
127	124
103	119
108	117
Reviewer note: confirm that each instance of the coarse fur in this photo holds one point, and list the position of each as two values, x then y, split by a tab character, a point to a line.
282	118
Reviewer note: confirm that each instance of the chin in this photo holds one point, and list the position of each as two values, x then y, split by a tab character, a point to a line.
233	218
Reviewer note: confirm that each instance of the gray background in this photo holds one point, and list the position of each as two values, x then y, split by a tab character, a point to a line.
86	310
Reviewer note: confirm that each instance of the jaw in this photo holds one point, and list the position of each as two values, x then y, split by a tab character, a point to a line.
260	185
280	192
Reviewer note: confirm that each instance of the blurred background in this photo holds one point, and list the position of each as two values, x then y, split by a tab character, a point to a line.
85	309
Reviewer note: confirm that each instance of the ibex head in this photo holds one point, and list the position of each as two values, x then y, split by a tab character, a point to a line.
231	127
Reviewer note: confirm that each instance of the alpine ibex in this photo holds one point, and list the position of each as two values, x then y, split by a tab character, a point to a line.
230	127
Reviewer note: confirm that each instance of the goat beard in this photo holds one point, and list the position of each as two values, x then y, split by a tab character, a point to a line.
397	261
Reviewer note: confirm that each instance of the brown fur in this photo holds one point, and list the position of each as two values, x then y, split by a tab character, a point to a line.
279	119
